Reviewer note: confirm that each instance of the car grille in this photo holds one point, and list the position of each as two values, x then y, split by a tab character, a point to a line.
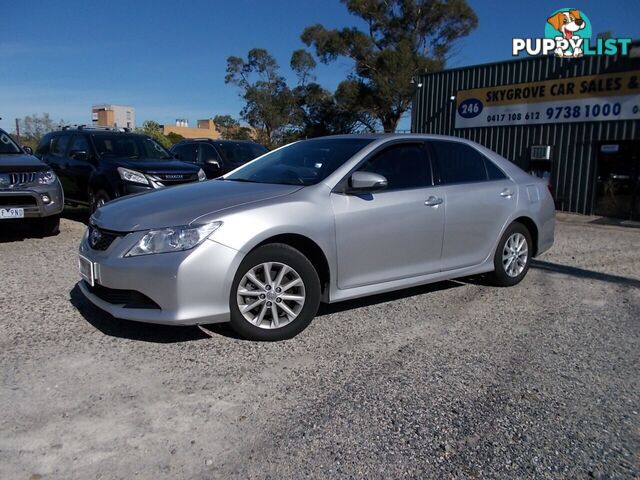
17	201
126	298
169	179
100	239
22	177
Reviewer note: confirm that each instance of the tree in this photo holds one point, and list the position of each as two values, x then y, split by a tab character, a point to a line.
154	130
230	128
174	137
34	127
321	112
403	38
270	103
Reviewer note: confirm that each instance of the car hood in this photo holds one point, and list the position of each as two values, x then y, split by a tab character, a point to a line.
183	204
20	163
158	166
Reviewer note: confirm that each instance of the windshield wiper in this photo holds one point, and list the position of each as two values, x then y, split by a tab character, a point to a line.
239	180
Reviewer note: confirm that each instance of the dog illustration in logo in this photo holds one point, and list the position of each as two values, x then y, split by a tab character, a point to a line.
567	23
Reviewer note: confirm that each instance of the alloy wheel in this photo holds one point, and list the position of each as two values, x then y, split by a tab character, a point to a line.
515	255
271	295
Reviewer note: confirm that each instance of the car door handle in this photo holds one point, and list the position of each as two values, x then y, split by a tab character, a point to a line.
506	193
433	201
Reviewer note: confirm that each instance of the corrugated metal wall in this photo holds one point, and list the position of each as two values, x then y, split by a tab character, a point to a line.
575	145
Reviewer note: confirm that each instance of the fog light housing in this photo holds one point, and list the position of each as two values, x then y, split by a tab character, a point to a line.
45	198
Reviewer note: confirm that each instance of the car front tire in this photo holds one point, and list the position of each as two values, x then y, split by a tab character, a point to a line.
97	199
513	256
275	294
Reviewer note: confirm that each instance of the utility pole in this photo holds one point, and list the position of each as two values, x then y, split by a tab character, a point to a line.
18	130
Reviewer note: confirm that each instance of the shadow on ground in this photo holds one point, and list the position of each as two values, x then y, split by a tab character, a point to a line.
583	273
144	332
77	214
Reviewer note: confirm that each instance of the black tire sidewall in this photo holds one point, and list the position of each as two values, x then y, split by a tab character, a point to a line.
500	276
282	253
94	196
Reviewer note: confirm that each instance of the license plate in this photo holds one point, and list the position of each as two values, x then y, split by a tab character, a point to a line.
11	213
87	270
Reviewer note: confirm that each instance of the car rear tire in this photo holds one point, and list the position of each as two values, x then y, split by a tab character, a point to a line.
97	199
513	256
47	226
275	294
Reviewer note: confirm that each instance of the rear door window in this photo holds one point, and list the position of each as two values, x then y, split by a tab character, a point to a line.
458	163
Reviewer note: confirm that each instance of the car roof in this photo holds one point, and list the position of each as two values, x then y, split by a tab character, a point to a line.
215	140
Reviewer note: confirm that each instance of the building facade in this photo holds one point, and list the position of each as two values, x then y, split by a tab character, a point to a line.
205	129
114	116
575	121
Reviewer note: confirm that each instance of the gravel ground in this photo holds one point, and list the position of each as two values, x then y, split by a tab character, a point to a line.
453	380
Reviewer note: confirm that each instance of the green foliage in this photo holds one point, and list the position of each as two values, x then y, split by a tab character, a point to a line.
270	103
34	127
174	138
154	130
404	38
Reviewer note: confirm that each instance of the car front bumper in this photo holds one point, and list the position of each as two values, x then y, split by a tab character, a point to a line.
187	288
32	200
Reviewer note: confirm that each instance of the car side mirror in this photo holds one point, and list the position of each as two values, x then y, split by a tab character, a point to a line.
29	150
176	155
79	155
361	182
213	162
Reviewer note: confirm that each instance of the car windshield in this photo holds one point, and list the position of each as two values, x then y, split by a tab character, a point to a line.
7	145
240	152
302	163
130	146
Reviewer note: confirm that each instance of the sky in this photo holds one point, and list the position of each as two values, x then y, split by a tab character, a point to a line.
168	59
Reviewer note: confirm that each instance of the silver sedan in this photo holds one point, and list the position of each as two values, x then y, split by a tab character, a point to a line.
322	220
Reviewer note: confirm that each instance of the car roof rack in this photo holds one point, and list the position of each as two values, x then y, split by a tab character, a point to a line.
96	127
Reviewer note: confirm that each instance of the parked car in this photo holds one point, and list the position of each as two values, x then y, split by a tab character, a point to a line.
29	190
217	157
96	166
327	219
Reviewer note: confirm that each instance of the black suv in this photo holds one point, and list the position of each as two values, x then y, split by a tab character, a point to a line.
217	157
96	165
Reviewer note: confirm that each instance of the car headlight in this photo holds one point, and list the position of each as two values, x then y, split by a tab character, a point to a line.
132	176
201	176
45	178
173	239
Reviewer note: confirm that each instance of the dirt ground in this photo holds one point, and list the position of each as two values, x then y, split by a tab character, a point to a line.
456	379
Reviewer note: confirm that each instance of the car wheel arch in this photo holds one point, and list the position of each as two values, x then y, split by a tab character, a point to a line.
531	226
310	249
101	183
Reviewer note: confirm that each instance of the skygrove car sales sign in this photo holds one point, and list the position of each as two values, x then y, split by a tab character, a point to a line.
592	98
